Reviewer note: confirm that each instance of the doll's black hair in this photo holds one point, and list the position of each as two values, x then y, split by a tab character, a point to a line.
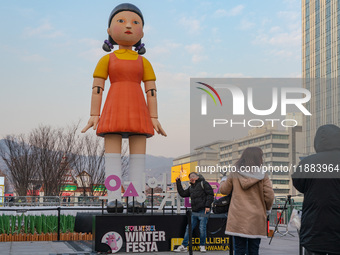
108	44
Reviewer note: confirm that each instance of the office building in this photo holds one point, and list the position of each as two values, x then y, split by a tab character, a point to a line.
320	65
280	148
205	156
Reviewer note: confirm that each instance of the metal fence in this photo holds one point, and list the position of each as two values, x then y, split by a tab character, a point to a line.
154	200
49	201
280	215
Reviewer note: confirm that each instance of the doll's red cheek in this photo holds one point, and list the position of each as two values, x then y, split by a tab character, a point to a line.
116	29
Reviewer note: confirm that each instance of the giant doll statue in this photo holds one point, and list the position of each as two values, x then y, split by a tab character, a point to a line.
125	114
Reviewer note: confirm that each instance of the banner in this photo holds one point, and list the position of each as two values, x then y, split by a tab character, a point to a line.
182	171
152	233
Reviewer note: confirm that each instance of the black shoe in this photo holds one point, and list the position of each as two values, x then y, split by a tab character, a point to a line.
136	207
111	207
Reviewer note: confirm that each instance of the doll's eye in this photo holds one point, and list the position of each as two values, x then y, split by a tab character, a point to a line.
120	21
136	22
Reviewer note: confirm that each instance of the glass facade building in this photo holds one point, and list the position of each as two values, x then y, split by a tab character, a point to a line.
320	65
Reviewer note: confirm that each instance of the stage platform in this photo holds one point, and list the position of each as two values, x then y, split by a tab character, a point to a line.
279	246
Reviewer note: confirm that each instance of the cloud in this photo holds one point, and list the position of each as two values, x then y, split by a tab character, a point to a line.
90	42
295	75
290	16
235	75
166	47
32	58
265	21
177	79
245	24
285	53
293	4
274	29
202	74
197	52
147	29
237	10
216	36
193	48
92	49
280	37
290	38
45	30
196	58
220	13
191	24
281	53
46	69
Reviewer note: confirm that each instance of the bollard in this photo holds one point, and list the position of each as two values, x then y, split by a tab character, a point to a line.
127	205
231	245
58	236
151	201
133	205
189	213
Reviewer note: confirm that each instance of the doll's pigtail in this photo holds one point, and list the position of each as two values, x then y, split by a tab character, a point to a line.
140	49
107	46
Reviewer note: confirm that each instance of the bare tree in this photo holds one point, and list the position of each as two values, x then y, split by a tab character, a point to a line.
53	149
90	159
21	162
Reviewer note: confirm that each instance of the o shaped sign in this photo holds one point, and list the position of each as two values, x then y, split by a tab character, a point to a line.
109	186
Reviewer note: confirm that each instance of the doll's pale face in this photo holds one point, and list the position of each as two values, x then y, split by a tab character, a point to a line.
126	28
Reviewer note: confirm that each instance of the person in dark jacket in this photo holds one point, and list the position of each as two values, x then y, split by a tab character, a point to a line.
202	196
318	178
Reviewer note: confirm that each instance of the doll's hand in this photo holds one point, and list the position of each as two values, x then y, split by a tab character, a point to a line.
157	126
93	122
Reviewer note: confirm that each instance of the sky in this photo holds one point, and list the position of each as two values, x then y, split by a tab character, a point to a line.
49	49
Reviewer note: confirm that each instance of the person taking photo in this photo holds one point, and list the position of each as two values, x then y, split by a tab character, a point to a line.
202	196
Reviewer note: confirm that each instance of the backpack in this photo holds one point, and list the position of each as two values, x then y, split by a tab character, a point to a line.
221	205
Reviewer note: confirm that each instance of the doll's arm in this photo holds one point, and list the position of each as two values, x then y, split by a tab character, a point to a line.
96	102
151	97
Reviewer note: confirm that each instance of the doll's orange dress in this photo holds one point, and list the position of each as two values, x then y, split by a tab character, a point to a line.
125	111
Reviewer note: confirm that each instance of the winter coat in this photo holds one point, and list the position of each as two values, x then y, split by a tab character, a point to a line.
201	198
320	221
252	197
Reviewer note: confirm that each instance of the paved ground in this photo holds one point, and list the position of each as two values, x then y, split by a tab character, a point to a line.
285	245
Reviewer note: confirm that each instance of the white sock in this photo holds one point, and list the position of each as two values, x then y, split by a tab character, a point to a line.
113	166
136	170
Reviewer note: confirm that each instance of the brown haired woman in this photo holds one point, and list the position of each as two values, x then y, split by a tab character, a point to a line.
252	199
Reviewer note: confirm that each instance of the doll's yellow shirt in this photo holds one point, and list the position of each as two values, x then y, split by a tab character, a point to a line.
102	67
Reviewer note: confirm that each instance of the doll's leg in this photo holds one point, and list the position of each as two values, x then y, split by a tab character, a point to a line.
113	144
137	145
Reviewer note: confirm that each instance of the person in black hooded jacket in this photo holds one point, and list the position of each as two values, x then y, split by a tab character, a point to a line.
202	196
318	178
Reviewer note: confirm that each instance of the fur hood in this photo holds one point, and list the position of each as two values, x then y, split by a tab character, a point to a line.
249	177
